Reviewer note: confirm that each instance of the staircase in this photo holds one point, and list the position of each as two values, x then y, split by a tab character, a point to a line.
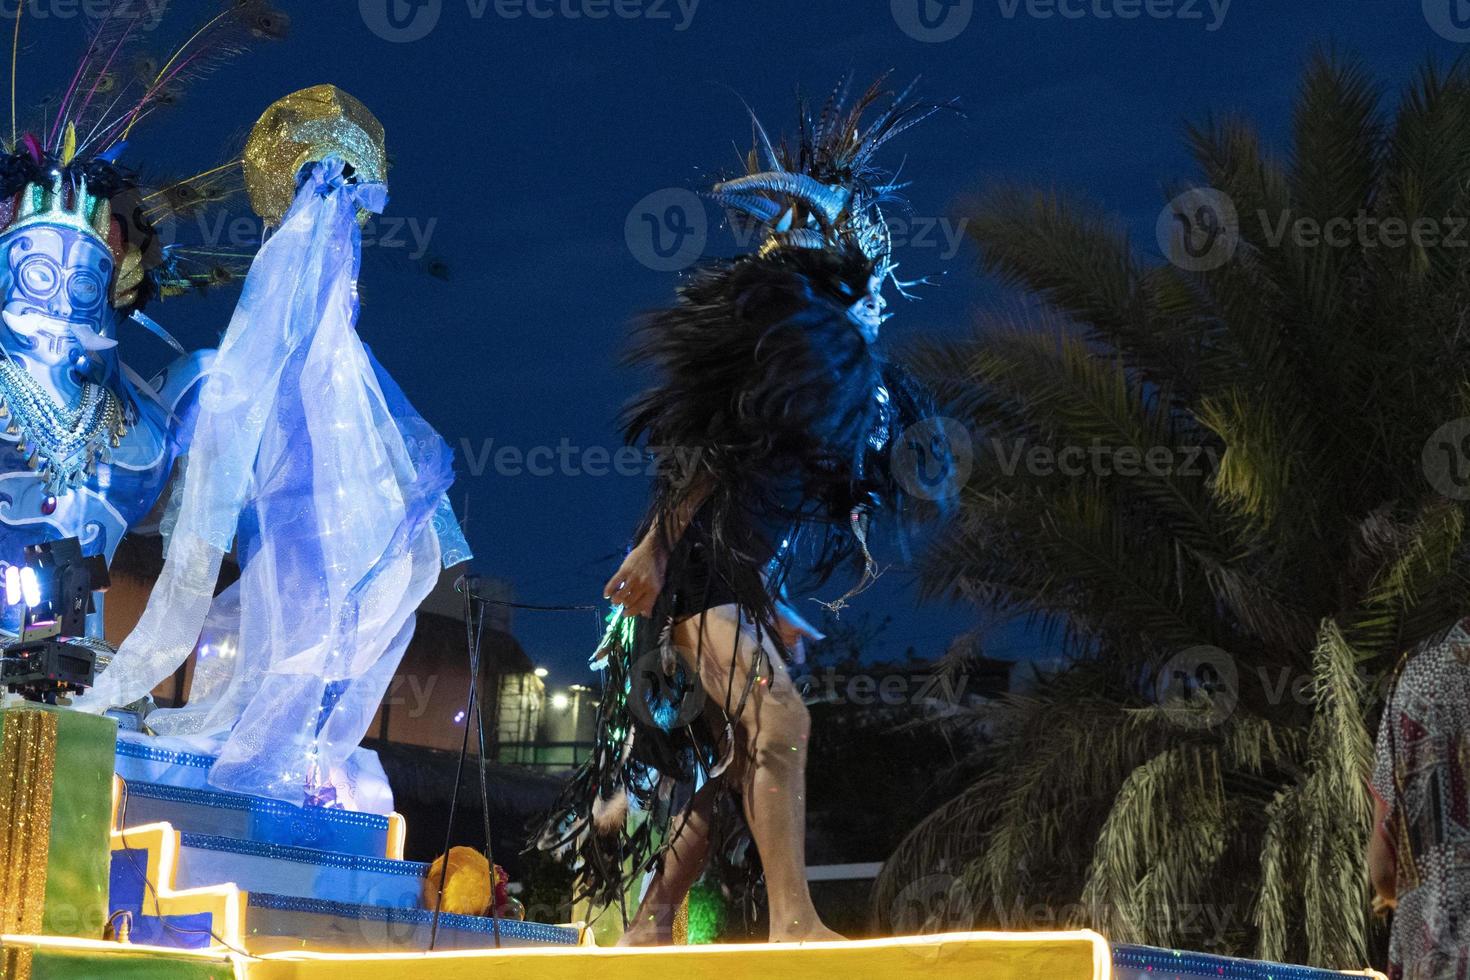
195	868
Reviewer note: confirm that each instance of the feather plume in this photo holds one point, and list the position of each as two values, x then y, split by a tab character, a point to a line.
186	197
14	65
219	40
610	815
114	31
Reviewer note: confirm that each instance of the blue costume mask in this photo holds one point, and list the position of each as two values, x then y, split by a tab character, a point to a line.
56	294
58	273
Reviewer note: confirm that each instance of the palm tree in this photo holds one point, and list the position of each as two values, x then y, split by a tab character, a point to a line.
1197	776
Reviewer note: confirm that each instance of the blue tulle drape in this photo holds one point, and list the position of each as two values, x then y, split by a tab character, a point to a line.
310	460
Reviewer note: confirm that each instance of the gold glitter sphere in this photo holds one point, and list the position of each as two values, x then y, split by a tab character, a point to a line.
306	127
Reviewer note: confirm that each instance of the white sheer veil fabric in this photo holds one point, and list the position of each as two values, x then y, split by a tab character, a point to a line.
334	486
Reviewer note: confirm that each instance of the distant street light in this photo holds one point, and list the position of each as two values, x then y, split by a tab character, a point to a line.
542	672
560	701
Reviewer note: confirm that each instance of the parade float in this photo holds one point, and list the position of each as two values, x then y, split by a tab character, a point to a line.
244	834
122	837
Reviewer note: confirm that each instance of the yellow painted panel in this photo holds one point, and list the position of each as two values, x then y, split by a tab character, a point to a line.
1054	956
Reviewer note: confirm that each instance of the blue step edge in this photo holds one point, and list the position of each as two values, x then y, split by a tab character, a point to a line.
304	855
278	869
1139	962
142	762
510	929
256	819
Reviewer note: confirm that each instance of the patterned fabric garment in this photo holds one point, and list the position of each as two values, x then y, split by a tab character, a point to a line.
1422	773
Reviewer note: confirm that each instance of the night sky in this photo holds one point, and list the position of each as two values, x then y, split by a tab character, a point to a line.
522	144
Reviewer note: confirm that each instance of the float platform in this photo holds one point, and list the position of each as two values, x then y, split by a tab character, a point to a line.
102	835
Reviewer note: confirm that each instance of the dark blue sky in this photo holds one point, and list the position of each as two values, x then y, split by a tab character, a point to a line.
522	144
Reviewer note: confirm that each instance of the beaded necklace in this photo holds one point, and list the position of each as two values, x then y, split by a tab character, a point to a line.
63	444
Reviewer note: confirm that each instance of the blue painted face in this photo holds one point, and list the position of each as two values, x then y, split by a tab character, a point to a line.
57	302
869	312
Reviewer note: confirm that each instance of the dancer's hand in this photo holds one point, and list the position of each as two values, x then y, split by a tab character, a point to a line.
640	580
795	631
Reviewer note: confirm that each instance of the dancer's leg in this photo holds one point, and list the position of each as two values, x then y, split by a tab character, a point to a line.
771	734
684	861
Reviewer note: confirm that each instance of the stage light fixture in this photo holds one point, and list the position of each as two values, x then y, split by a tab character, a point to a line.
54	590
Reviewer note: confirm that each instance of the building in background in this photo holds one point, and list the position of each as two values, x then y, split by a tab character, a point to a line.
425	706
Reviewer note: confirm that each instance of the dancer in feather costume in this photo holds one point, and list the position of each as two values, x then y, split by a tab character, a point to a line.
776	415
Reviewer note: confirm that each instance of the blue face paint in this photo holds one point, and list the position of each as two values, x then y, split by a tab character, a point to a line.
57	285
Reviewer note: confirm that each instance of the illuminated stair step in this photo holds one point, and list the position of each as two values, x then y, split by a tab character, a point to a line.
298	872
250	818
277	923
150	880
139	759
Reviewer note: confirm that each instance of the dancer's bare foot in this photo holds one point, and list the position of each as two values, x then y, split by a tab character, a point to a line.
805	932
647	934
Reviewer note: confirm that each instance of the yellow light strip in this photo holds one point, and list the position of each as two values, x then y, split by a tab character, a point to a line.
397	834
1102	951
102	946
161	842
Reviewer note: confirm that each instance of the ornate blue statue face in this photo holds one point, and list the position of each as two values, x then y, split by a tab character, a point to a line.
56	293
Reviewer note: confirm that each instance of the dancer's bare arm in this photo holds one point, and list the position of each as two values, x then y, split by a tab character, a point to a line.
637	584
